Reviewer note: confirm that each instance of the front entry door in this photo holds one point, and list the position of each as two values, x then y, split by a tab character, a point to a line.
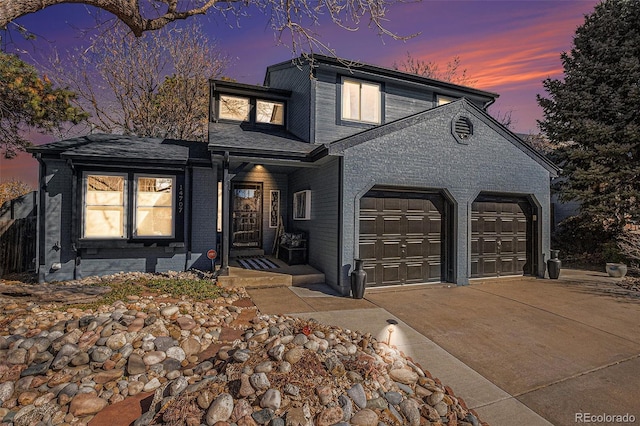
246	215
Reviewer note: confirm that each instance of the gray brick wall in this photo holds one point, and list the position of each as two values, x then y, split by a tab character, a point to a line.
323	228
426	155
204	214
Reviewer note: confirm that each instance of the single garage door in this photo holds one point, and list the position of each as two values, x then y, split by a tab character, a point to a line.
498	238
401	238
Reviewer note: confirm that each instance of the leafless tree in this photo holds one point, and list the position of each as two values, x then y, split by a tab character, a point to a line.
155	85
12	189
452	73
294	18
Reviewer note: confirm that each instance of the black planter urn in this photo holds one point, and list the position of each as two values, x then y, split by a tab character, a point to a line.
358	280
553	265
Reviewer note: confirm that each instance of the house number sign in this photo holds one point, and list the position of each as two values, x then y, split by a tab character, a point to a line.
180	199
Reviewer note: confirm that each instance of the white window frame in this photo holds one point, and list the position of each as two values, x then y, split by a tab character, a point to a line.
302	205
136	179
85	189
265	101
359	119
238	98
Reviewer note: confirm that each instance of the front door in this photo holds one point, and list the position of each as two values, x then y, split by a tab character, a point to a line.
246	215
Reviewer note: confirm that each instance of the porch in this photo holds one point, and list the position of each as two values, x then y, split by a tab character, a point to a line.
281	275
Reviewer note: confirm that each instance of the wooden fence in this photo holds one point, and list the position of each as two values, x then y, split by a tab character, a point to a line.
18	245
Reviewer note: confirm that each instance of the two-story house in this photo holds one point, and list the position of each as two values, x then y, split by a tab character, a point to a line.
407	173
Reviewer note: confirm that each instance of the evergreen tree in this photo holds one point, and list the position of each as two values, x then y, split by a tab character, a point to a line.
593	116
30	102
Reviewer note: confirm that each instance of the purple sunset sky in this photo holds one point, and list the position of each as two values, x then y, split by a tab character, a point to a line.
508	46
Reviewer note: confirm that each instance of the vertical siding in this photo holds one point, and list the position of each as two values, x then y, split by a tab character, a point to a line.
399	101
323	228
204	212
270	181
298	81
57	222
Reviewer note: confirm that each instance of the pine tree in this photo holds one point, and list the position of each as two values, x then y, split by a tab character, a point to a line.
593	116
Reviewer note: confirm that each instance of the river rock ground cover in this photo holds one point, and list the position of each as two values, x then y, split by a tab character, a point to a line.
167	353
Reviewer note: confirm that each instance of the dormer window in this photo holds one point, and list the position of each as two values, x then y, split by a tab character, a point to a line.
233	108
361	101
443	100
270	112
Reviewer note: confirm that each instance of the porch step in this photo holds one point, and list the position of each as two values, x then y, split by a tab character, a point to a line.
239	277
239	252
302	280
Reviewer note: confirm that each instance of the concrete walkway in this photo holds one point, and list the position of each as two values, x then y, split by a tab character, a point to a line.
519	351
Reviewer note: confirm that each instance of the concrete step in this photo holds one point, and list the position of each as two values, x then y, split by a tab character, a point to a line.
239	277
302	280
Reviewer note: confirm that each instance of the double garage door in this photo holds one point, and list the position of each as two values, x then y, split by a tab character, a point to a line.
405	238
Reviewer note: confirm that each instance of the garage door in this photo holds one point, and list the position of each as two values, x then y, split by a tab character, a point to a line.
498	239
401	238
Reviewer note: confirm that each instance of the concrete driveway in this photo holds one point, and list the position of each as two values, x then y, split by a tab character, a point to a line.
520	351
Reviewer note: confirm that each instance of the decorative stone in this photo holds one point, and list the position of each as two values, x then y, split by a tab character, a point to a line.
411	411
101	354
151	385
262	417
176	352
271	399
169	311
434	398
86	404
393	398
259	381
245	386
293	355
365	417
116	341
356	393
136	365
404	375
108	376
325	394
154	357
220	410
241	410
329	416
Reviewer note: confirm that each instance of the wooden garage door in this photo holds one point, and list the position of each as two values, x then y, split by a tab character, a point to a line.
400	240
498	239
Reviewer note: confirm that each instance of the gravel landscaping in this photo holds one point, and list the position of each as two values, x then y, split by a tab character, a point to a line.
153	357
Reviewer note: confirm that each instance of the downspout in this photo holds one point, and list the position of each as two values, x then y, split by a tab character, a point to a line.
74	218
40	228
226	220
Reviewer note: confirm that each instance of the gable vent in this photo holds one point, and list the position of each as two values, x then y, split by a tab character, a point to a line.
463	128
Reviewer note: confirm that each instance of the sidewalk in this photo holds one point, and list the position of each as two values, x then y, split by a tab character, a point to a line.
517	350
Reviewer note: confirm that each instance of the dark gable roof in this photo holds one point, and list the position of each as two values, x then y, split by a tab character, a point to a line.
118	148
339	145
245	139
346	64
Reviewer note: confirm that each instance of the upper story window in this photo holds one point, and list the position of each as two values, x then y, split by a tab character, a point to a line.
443	100
270	112
233	108
361	101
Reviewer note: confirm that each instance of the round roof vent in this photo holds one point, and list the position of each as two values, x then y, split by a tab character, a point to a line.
463	128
